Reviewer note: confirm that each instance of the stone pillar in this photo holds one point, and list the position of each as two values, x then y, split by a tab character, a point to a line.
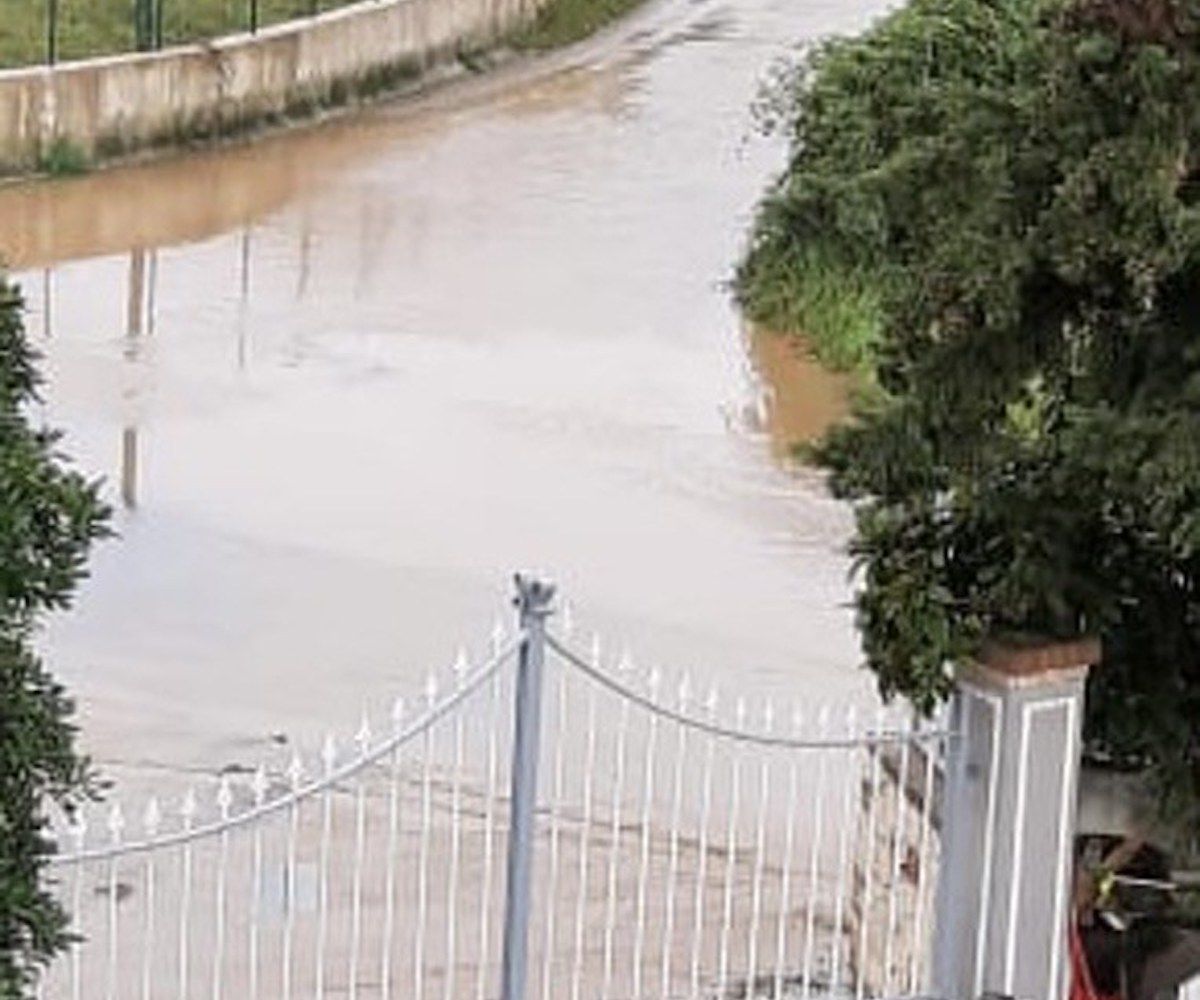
1010	798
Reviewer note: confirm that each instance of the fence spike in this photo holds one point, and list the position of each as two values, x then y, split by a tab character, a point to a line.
769	717
398	708
187	808
362	739
498	634
823	718
79	829
116	822
258	785
567	617
596	649
224	796
461	665
654	681
152	817
797	720
295	771
431	688
684	695
739	711
712	701
625	663
329	753
852	722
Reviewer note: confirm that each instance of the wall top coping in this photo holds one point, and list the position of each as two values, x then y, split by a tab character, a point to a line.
212	48
1032	662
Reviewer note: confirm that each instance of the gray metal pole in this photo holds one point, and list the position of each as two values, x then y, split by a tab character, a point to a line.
534	604
1008	823
51	31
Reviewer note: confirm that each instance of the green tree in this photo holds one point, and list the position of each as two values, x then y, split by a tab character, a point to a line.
1008	197
49	516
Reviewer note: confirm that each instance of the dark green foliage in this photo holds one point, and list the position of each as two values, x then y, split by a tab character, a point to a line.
562	22
62	158
49	517
1020	182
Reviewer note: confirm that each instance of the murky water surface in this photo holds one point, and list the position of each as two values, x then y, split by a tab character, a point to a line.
343	381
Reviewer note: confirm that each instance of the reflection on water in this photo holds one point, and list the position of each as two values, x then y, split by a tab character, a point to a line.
343	383
797	399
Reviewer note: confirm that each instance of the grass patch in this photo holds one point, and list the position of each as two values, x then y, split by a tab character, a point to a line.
837	309
62	158
562	22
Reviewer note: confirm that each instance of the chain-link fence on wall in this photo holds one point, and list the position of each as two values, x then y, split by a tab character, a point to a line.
51	31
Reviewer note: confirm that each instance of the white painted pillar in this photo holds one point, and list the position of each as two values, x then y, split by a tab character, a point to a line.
1009	823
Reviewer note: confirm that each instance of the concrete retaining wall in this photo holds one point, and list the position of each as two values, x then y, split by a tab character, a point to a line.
109	105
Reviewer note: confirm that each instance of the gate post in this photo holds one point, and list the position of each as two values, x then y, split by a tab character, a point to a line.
534	606
1009	821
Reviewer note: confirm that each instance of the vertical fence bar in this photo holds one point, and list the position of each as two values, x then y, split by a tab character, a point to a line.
116	824
730	854
389	899
925	818
328	759
534	605
839	906
259	791
460	673
51	32
875	748
702	849
639	937
489	837
785	868
79	837
668	935
555	825
295	776
224	801
150	823
614	849
585	834
814	860
362	741
188	814
760	847
898	827
423	857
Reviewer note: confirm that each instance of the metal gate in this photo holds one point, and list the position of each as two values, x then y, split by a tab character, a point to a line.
546	824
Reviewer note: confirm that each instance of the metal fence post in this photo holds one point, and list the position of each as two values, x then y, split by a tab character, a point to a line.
143	25
1008	823
51	32
534	606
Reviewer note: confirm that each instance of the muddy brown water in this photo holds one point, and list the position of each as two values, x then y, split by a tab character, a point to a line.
342	381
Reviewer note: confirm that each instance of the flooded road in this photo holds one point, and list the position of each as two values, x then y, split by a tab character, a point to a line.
342	382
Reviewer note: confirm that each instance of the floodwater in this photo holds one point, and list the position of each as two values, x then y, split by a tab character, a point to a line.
342	382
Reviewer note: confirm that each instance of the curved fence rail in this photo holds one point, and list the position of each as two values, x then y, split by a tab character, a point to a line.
586	831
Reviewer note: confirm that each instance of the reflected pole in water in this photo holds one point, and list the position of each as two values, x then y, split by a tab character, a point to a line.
48	302
129	466
151	289
244	299
135	309
305	255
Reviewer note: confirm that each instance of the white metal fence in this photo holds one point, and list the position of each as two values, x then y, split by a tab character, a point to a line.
590	831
